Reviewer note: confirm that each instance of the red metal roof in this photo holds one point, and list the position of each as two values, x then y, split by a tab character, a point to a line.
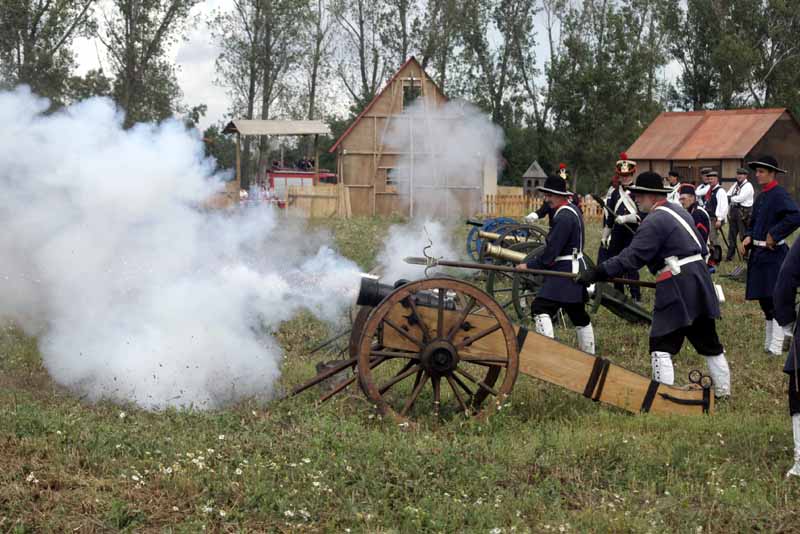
377	97
724	134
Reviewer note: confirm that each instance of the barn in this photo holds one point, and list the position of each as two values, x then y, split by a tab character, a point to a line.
371	169
723	140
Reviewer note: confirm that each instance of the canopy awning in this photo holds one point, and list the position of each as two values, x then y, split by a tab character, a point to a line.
277	127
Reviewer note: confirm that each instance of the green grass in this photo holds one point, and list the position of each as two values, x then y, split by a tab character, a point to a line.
551	462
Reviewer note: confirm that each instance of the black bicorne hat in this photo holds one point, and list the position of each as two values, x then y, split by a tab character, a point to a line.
766	162
650	182
555	186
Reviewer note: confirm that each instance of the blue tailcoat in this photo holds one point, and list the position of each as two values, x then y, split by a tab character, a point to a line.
621	234
566	234
785	289
774	212
701	221
680	299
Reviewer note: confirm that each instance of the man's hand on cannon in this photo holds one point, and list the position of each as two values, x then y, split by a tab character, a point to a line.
590	275
521	267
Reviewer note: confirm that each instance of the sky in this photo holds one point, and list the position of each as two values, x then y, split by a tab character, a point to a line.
196	54
194	57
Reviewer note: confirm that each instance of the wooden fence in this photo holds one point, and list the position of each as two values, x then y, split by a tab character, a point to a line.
325	200
318	201
518	206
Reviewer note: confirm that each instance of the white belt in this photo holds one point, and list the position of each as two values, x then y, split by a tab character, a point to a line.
674	264
763	244
575	258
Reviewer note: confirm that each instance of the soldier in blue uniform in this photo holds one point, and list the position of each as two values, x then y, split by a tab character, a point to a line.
775	217
786	315
686	304
546	210
563	252
625	220
688	200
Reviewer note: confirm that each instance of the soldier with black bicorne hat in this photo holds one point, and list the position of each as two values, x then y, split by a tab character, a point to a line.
686	304
621	222
563	252
775	216
545	210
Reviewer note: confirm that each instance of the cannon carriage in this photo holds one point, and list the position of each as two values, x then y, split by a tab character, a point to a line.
444	347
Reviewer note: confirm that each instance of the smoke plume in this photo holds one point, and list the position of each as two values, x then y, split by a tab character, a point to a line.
444	154
135	292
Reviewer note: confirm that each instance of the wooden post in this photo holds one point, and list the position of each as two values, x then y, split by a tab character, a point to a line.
316	158
238	164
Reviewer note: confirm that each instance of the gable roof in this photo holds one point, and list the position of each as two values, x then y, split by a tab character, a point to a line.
691	135
378	96
535	171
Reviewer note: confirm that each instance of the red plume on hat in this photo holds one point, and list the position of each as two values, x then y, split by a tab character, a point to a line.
562	165
562	171
625	166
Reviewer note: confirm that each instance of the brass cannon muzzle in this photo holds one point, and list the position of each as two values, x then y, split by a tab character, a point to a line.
492	236
372	292
496	251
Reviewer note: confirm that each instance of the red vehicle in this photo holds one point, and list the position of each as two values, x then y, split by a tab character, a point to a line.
280	179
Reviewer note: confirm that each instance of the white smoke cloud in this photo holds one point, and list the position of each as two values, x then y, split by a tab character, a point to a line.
444	152
410	240
135	292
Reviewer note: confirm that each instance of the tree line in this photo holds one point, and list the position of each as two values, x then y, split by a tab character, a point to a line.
573	81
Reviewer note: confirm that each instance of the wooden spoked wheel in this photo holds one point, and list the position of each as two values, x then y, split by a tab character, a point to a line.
446	346
501	286
519	233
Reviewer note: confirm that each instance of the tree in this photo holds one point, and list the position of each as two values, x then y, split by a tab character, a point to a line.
221	147
137	35
438	27
93	83
35	40
238	34
363	66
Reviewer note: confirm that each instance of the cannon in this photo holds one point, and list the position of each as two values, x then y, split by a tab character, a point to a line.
443	347
487	225
520	288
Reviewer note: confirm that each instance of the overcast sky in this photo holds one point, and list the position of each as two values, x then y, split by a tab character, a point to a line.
194	59
196	55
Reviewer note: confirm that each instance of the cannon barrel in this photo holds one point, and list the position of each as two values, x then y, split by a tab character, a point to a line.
372	292
493	236
474	222
496	251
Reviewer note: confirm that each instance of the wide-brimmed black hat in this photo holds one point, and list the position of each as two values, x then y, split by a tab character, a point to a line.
555	186
766	162
650	182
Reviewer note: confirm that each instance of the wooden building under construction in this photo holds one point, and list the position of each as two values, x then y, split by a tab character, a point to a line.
722	140
376	174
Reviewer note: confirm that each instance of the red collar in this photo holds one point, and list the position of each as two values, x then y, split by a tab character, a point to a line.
660	203
769	186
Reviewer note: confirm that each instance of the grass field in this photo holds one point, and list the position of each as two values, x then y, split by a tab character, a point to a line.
551	462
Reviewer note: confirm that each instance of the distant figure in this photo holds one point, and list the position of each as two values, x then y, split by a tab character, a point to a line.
741	207
674	184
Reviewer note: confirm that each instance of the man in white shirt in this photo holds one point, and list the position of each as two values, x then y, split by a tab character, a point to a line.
741	207
702	189
674	184
716	204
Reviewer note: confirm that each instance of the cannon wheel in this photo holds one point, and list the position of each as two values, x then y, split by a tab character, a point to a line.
444	364
489	225
525	232
500	285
